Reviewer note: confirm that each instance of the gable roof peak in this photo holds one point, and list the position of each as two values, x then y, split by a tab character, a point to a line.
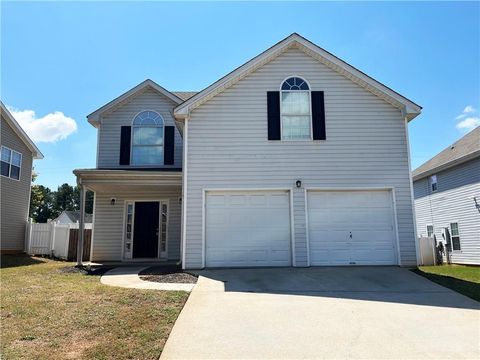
94	117
408	107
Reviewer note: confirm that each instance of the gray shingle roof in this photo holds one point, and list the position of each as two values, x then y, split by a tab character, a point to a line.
74	216
184	95
466	148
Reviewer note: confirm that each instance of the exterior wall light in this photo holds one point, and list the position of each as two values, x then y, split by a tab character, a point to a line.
298	183
113	201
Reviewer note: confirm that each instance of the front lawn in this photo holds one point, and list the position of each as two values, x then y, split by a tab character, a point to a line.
49	312
460	278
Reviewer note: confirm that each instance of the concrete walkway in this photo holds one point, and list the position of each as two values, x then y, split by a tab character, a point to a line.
323	313
127	277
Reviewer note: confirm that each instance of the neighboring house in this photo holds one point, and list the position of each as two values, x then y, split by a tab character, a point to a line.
447	199
295	158
72	217
18	152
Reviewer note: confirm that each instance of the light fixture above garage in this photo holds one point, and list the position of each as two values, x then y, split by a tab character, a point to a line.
298	183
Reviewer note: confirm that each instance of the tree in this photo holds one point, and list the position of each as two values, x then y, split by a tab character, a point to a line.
65	199
46	204
41	204
88	200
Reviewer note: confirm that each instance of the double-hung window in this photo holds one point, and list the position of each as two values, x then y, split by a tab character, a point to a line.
295	109
11	163
147	139
455	236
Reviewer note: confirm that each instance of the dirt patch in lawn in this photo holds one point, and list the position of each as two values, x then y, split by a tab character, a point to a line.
84	270
168	274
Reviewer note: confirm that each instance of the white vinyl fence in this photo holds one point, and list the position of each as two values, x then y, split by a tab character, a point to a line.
49	239
427	250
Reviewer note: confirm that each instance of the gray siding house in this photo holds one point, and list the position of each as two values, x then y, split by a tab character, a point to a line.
18	152
72	217
447	199
295	158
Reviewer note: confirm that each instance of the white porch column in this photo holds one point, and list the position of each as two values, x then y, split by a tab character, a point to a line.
81	225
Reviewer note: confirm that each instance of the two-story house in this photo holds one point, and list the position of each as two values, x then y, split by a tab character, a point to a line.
295	158
447	199
18	152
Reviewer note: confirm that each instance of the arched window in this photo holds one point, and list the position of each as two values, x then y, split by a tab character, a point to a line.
147	139
295	109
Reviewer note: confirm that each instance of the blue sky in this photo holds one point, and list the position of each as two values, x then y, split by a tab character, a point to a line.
61	61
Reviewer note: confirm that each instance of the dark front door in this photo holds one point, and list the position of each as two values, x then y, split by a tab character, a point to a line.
145	230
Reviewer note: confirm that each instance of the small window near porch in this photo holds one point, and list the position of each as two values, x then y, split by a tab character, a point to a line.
429	230
163	234
455	236
129	230
433	183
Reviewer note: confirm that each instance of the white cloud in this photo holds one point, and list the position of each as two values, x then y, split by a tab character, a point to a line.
469	109
468	124
52	127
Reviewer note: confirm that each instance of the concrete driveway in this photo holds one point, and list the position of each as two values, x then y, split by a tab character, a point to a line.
314	313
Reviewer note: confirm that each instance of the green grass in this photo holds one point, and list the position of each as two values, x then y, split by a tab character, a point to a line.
462	279
50	314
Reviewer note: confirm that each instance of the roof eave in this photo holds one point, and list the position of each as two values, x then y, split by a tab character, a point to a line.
446	166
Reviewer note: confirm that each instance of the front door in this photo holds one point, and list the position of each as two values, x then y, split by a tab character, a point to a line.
146	229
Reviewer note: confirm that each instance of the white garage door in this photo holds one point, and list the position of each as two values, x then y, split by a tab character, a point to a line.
247	229
351	228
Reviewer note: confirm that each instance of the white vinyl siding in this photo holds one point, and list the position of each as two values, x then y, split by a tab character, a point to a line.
228	147
453	202
109	220
109	133
15	195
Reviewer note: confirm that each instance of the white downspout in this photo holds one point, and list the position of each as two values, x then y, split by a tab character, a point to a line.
184	193
81	225
412	199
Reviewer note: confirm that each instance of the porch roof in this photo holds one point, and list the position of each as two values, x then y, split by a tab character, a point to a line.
106	179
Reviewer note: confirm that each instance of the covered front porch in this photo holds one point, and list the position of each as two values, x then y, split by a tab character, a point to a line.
137	215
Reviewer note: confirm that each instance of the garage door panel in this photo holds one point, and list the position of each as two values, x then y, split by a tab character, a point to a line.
351	227
255	230
327	238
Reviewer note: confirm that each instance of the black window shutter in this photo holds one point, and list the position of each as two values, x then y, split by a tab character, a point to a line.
169	147
318	116
125	137
273	113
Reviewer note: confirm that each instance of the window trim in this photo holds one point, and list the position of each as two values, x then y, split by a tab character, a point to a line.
452	236
431	183
309	91
132	145
10	164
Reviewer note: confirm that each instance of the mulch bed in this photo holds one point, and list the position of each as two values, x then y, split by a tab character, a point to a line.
167	274
97	271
